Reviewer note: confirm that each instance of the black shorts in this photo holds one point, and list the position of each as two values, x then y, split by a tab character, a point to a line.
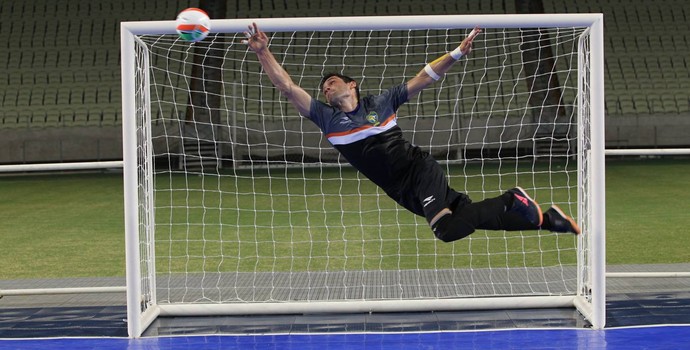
425	191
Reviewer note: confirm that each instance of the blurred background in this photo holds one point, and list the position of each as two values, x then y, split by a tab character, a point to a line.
60	92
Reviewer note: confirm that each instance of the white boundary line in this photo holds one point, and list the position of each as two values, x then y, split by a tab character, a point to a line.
540	329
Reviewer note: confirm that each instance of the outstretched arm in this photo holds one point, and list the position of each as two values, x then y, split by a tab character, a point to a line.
434	70
257	41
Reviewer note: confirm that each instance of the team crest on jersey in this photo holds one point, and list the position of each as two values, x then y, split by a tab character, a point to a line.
373	119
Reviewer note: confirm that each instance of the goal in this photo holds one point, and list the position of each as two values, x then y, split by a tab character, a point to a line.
235	204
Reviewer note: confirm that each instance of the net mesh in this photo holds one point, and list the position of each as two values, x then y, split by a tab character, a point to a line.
251	204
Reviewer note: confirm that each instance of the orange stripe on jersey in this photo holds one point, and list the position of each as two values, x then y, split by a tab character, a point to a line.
361	133
363	127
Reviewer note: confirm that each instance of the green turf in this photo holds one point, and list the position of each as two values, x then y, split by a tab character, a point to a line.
247	222
72	225
58	226
647	212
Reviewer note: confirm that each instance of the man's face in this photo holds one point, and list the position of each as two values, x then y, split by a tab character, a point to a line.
335	89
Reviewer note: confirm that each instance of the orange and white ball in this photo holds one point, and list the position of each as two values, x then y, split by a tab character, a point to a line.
193	24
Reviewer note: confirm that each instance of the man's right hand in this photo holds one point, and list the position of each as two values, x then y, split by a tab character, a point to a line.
256	40
466	44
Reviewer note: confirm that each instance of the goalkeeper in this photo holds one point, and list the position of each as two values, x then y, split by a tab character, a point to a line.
365	132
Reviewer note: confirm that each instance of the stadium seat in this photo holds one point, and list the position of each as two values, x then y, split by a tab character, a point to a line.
116	96
37	96
63	96
655	103
94	76
669	103
50	95
37	117
90	95
102	57
54	77
27	77
626	104
682	102
11	118
9	98
88	57
62	58
640	102
4	58
23	96
15	59
53	118
51	59
13	77
110	116
40	77
103	95
76	115
76	94
612	105
80	76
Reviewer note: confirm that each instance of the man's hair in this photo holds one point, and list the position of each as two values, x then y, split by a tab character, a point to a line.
344	78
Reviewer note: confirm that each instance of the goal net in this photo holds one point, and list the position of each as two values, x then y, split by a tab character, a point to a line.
235	203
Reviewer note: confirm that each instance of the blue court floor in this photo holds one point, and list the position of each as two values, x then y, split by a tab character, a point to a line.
648	337
641	314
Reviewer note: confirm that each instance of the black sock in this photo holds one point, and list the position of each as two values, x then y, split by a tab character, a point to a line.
546	224
487	210
489	214
449	228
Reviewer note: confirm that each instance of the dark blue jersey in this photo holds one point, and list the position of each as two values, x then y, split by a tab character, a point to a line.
370	139
374	115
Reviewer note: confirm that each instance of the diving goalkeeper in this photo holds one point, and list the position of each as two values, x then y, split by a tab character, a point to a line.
365	132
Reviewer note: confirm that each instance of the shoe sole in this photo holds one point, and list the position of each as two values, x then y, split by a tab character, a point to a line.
572	222
524	194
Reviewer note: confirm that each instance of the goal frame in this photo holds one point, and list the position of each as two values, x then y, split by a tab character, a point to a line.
592	306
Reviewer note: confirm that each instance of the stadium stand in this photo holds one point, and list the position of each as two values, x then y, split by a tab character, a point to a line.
60	59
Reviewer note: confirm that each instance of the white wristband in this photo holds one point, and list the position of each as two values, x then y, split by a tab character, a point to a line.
430	71
456	54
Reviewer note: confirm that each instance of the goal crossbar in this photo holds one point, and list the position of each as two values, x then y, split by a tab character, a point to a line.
378	23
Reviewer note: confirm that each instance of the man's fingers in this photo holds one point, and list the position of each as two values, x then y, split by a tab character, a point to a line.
248	36
252	30
474	33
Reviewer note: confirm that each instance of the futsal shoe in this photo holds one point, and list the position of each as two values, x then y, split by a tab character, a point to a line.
559	222
524	205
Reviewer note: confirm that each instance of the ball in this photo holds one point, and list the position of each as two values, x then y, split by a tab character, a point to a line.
193	24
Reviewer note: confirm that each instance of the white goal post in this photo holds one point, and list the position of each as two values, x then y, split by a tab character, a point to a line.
235	204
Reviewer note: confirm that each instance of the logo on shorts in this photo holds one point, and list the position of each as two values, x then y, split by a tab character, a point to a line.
373	119
522	199
428	200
